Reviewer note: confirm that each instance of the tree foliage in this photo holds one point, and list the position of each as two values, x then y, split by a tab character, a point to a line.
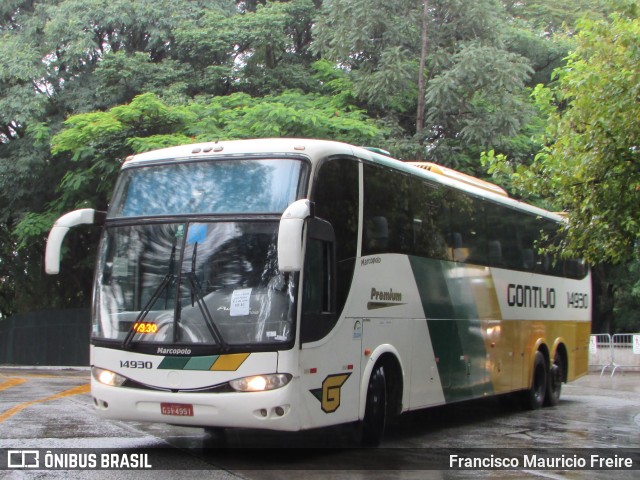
590	166
65	57
474	87
96	144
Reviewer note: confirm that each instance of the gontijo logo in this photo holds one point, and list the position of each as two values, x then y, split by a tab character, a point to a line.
329	394
530	296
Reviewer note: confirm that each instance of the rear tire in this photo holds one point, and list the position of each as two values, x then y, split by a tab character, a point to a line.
535	395
375	413
554	386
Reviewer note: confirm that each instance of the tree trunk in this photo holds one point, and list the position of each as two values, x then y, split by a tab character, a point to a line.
421	77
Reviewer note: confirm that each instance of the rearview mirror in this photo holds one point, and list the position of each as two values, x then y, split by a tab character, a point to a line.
290	253
59	231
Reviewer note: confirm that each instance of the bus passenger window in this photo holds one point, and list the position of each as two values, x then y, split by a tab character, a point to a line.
377	234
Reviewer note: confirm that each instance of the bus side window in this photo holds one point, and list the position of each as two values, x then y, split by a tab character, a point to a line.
319	282
336	198
377	233
317	277
389	225
429	220
331	246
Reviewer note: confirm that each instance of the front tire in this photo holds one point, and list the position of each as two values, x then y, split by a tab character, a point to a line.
375	413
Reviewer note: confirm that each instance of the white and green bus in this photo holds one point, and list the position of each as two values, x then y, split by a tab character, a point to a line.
291	284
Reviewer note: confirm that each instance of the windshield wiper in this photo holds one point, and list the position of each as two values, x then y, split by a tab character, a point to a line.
196	291
197	294
168	279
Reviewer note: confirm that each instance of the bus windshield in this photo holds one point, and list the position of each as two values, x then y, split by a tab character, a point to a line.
208	187
199	282
181	263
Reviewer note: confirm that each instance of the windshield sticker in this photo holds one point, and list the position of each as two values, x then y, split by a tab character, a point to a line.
240	302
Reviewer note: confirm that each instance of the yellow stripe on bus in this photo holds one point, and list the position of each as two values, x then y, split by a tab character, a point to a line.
229	363
67	393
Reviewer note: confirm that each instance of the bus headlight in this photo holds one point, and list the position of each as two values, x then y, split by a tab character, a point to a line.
107	377
260	383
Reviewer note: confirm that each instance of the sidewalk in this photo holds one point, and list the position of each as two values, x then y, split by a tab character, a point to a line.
622	381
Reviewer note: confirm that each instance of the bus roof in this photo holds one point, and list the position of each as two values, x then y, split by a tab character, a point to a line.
318	149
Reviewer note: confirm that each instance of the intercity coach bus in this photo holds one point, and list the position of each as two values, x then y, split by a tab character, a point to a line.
290	284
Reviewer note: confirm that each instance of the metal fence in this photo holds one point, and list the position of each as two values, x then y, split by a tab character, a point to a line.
53	338
615	352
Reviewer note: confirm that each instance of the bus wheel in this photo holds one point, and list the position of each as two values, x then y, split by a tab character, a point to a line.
534	397
375	412
552	398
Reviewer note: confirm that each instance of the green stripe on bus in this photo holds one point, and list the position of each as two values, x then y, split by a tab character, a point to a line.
201	363
173	363
454	327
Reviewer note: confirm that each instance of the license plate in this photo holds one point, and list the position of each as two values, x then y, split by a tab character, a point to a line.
177	409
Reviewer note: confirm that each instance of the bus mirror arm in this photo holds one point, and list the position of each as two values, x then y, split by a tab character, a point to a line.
59	230
290	253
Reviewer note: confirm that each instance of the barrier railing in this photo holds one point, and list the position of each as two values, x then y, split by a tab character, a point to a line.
601	352
620	351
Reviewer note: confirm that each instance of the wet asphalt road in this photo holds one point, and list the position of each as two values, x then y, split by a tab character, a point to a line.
52	409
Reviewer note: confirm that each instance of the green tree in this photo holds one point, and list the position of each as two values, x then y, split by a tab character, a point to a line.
62	57
589	167
97	143
550	17
473	87
625	285
59	57
264	50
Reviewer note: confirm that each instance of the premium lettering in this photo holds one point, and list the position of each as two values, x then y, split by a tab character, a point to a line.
389	295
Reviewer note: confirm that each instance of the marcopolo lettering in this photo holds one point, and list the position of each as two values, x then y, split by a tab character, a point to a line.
370	261
173	351
528	296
